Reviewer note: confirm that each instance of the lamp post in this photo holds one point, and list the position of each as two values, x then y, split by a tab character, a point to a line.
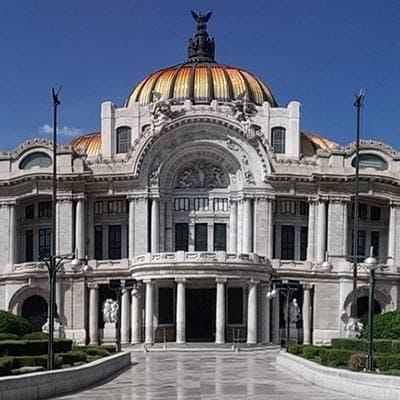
371	264
117	286
287	288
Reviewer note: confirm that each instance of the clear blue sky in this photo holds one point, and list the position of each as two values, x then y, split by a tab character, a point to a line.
316	51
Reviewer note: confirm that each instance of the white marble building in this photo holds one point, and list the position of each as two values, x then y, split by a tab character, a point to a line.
204	190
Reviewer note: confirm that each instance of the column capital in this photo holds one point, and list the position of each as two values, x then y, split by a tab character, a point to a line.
8	203
148	281
394	203
180	280
221	279
253	282
339	199
79	196
93	285
307	286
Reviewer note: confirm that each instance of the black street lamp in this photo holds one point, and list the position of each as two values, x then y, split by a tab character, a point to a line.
118	286
287	288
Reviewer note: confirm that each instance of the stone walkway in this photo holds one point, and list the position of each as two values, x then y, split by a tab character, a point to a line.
208	376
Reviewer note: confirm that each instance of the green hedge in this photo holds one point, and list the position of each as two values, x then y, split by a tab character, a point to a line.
387	362
72	357
11	323
107	347
311	352
35	336
295	348
9	336
361	345
32	347
6	365
335	357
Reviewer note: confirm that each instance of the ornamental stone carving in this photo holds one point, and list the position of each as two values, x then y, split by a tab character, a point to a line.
201	175
160	112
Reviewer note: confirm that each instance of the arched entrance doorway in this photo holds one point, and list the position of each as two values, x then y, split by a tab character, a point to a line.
35	310
362	308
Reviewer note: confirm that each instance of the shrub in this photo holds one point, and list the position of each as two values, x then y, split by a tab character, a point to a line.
6	364
72	357
386	326
109	347
349	344
386	362
10	323
32	347
396	346
36	336
311	352
30	361
383	345
9	336
335	357
62	345
358	361
295	348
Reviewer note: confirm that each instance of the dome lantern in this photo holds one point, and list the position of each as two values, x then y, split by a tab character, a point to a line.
201	47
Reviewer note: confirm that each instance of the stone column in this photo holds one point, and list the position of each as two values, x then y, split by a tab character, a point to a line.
311	231
136	314
131	227
13	235
233	223
125	316
155	225
321	232
240	227
90	230
306	314
180	311
247	226
392	232
252	313
168	225
149	334
270	228
93	313
265	315
80	228
220	312
141	226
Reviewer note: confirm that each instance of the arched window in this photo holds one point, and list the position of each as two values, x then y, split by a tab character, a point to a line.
370	161
279	139
37	159
123	139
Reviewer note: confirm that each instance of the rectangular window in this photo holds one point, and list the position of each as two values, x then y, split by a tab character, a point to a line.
182	204
30	211
362	211
98	242
44	242
220	204
375	213
375	243
287	242
98	207
235	305
303	242
123	139
200	237
288	207
114	242
303	208
45	209
279	139
219	237
29	246
181	237
115	207
165	306
201	204
362	243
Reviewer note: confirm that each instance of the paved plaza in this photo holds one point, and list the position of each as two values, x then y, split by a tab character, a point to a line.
203	375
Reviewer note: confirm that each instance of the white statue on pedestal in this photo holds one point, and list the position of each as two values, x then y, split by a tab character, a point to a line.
110	317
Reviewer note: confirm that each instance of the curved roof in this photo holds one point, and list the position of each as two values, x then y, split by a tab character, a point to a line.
201	83
311	142
90	143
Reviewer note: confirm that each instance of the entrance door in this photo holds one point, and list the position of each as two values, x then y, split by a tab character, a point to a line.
34	309
200	315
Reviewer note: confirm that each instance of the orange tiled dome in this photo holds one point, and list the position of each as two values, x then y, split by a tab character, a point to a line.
201	83
90	143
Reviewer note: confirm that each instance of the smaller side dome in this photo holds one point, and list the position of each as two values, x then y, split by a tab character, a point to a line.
311	142
90	144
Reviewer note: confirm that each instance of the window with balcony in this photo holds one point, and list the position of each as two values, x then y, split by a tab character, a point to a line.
219	237
200	237
287	207
181	237
303	242
98	242
116	206
30	211
220	204
201	204
287	242
182	204
114	242
45	209
375	213
375	242
44	242
29	245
